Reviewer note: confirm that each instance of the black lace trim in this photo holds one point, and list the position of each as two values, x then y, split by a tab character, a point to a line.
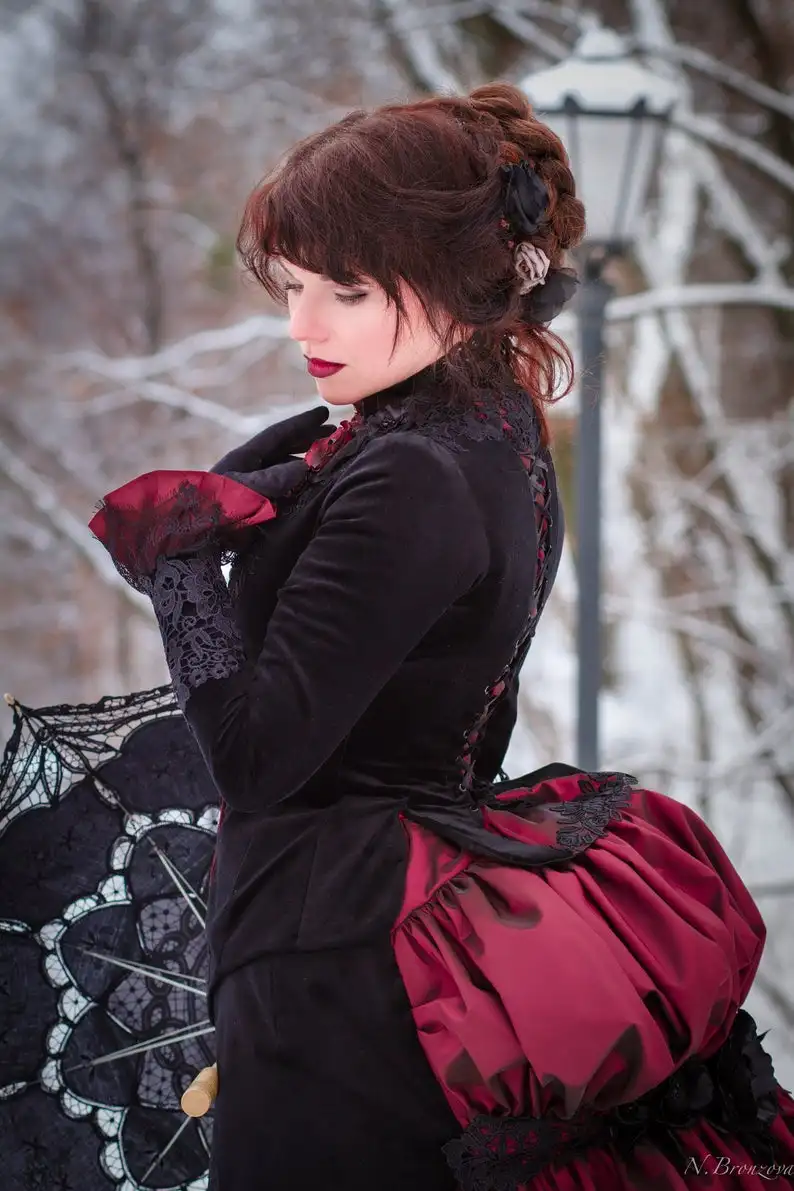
537	473
509	416
193	609
735	1090
583	819
504	1153
182	522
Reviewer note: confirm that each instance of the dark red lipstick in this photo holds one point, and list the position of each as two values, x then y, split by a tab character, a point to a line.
322	368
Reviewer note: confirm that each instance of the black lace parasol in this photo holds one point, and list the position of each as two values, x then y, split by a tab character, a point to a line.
107	825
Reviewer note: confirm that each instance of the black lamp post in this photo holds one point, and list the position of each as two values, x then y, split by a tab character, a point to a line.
610	113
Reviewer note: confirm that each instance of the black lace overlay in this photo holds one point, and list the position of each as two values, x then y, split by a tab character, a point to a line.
537	469
180	522
577	823
734	1090
107	827
509	415
194	612
504	1153
584	819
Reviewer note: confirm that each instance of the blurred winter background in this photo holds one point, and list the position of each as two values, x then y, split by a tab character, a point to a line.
131	135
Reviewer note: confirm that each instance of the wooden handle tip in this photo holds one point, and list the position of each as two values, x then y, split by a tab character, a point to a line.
198	1099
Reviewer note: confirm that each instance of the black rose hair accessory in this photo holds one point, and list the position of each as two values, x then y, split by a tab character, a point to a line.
543	304
545	290
526	199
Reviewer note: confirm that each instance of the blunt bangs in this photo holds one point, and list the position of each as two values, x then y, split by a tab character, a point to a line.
321	212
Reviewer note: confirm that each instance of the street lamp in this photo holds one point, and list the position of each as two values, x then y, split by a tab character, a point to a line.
610	114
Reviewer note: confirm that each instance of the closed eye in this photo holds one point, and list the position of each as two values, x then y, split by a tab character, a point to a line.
349	299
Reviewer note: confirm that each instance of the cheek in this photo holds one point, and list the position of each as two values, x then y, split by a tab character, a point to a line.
370	331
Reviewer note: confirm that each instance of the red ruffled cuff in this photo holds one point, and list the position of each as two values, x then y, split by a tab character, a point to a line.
164	514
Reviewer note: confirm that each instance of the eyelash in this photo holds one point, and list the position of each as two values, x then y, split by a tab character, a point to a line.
346	299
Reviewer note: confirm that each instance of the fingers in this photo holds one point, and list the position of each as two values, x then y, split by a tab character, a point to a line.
289	436
276	442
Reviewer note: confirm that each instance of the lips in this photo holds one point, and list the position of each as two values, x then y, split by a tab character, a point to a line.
322	368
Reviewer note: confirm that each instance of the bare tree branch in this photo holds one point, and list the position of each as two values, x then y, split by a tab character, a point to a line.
411	18
573	16
731	78
774	889
417	50
716	637
530	33
729	211
178	355
664	267
771	62
160	393
714	132
688	297
50	505
462	10
132	159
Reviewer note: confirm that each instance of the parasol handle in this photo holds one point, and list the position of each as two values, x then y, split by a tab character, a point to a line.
199	1097
10	700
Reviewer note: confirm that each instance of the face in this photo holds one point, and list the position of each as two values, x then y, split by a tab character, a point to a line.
355	327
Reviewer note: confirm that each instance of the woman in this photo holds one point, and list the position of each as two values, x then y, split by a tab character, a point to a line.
423	977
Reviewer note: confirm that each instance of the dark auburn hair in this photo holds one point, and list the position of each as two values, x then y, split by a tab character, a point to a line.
413	192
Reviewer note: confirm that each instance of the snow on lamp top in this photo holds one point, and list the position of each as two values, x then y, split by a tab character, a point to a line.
610	113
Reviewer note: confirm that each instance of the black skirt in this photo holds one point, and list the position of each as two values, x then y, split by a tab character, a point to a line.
327	1085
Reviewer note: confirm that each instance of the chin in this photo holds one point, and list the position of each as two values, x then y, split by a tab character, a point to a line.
334	392
337	398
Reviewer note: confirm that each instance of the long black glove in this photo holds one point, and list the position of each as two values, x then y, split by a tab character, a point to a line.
268	463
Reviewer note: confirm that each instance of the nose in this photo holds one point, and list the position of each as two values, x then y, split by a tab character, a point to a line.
305	321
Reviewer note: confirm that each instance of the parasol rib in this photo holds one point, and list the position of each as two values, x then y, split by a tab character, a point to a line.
183	1035
161	974
163	1152
187	891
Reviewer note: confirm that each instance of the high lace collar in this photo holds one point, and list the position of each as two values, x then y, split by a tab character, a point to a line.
397	394
421	403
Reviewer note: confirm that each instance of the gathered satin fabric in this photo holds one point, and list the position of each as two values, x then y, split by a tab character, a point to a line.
555	990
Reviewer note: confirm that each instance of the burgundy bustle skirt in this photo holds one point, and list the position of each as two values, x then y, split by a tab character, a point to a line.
583	1019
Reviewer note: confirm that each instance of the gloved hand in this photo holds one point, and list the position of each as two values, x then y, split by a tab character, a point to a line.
268	463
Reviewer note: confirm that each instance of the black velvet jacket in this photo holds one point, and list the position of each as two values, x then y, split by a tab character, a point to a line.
362	661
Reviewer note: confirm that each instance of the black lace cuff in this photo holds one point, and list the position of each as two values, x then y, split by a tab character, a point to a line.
168	514
194	612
